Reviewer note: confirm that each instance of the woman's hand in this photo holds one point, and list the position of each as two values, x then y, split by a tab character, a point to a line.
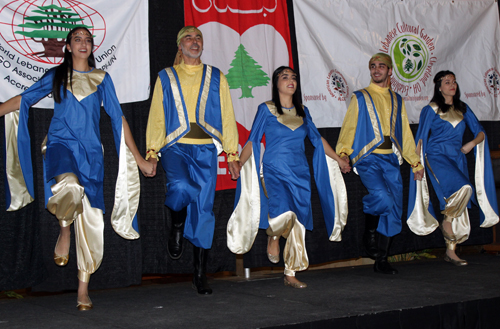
342	161
234	168
467	147
470	145
148	167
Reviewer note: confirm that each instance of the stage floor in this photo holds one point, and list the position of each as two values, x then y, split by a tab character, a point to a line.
334	298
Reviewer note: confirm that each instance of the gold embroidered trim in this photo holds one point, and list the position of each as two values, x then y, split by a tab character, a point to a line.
452	116
288	119
85	83
374	122
393	120
178	105
203	104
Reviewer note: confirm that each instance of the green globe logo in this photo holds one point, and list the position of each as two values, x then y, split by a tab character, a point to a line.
411	57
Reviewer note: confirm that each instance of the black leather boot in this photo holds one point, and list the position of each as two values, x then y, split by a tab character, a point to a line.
370	235
200	282
175	239
382	265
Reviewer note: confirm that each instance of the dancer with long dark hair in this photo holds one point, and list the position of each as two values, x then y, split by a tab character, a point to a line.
280	201
440	134
73	157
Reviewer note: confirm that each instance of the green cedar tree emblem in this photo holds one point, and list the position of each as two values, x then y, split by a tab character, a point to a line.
410	56
245	73
49	24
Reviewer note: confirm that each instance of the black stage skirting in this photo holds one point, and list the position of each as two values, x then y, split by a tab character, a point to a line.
425	294
28	236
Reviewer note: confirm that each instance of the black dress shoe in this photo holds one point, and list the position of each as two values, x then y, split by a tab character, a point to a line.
174	245
201	285
383	266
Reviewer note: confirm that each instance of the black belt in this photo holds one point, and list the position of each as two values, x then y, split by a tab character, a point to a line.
196	132
386	145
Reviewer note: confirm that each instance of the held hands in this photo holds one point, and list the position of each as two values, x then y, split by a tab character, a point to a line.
234	168
467	147
344	165
418	175
148	167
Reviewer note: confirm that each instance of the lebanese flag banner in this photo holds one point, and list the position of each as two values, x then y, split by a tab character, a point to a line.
336	38
33	35
247	41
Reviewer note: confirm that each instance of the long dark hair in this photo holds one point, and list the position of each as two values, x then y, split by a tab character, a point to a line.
61	74
438	98
295	97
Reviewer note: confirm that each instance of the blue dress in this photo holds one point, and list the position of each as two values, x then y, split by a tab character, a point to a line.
441	138
285	179
74	145
286	172
444	160
74	139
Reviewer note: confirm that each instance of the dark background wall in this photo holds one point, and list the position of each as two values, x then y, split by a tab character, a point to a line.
28	236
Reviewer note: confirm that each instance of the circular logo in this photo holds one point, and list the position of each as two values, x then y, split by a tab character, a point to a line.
38	29
411	57
336	85
492	81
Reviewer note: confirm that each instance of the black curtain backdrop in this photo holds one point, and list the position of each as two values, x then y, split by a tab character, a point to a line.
28	236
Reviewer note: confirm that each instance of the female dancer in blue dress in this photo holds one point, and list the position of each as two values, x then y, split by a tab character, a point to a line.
73	157
280	201
439	136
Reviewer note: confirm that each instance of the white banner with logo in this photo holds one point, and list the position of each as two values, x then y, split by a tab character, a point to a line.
336	39
33	34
